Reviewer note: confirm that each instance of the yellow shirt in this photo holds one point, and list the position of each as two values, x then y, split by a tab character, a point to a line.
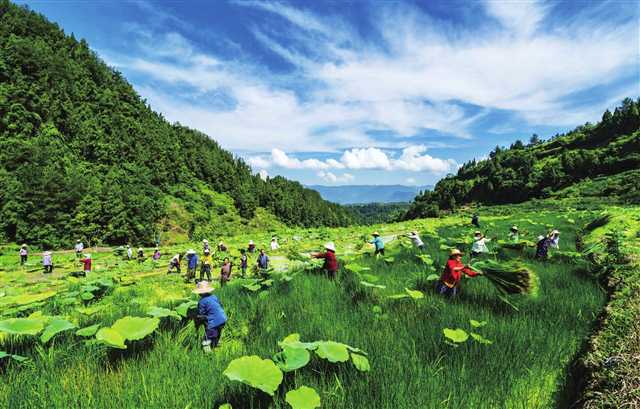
207	259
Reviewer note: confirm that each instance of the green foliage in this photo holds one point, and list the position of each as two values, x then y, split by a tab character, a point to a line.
258	373
303	398
22	326
56	326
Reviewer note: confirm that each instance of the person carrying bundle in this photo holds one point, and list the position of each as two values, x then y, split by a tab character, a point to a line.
47	262
24	254
205	267
479	244
449	283
79	247
225	271
378	244
330	265
192	263
415	239
211	314
175	263
514	236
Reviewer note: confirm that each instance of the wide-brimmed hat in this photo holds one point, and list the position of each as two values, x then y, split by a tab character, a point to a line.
47	253
375	233
415	233
540	237
555	232
140	249
250	241
514	227
24	245
78	241
203	287
477	233
205	241
220	244
455	252
330	246
191	251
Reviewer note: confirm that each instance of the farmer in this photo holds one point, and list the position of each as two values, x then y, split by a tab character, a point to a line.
129	252
377	243
415	238
156	255
47	262
243	262
542	247
140	255
554	236
222	247
513	234
449	283
79	247
205	267
330	265
192	263
225	271
175	263
479	244
86	262
262	262
252	247
205	245
211	314
475	220
274	244
24	254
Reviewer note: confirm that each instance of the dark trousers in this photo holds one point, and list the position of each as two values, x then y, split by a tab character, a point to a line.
23	259
378	251
213	335
172	266
205	269
443	289
48	269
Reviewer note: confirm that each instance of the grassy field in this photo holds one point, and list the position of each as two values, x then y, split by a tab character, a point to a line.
412	363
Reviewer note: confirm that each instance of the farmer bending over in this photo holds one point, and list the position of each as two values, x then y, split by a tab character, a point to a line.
86	264
175	263
211	314
330	265
554	236
449	283
415	239
377	243
479	244
542	247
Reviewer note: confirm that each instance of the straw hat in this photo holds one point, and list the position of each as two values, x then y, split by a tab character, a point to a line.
555	232
47	253
330	246
78	241
140	249
540	237
220	244
191	251
375	233
24	245
514	227
477	233
250	241
203	287
455	252
205	241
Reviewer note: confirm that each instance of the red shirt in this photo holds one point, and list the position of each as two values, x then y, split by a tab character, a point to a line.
87	264
452	278
330	261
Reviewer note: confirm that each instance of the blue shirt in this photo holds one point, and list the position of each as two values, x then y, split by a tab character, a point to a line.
210	307
193	261
377	241
263	261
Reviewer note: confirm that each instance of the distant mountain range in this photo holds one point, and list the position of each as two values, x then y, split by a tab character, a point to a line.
350	194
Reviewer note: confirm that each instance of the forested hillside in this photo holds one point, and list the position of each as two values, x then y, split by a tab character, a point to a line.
608	152
81	154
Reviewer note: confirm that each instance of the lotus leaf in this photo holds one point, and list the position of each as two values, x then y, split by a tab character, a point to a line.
370	278
477	324
183	309
111	337
456	335
303	398
88	331
89	288
415	294
432	277
18	358
225	406
479	338
86	296
267	283
292	358
135	328
160	312
258	373
426	259
22	326
25	299
56	326
366	284
389	260
293	340
332	351
360	362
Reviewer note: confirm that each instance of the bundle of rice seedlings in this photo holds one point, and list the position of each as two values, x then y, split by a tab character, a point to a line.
598	222
508	278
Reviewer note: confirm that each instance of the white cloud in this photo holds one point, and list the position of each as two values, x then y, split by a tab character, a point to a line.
263	174
412	159
410	181
368	158
332	178
521	17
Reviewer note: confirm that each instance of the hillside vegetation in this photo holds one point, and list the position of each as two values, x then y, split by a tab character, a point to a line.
608	153
82	154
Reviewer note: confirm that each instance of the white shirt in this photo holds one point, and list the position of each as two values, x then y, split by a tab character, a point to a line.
79	247
480	245
129	252
416	240
274	245
555	243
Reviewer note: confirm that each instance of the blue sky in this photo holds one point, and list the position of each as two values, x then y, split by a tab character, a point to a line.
366	92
